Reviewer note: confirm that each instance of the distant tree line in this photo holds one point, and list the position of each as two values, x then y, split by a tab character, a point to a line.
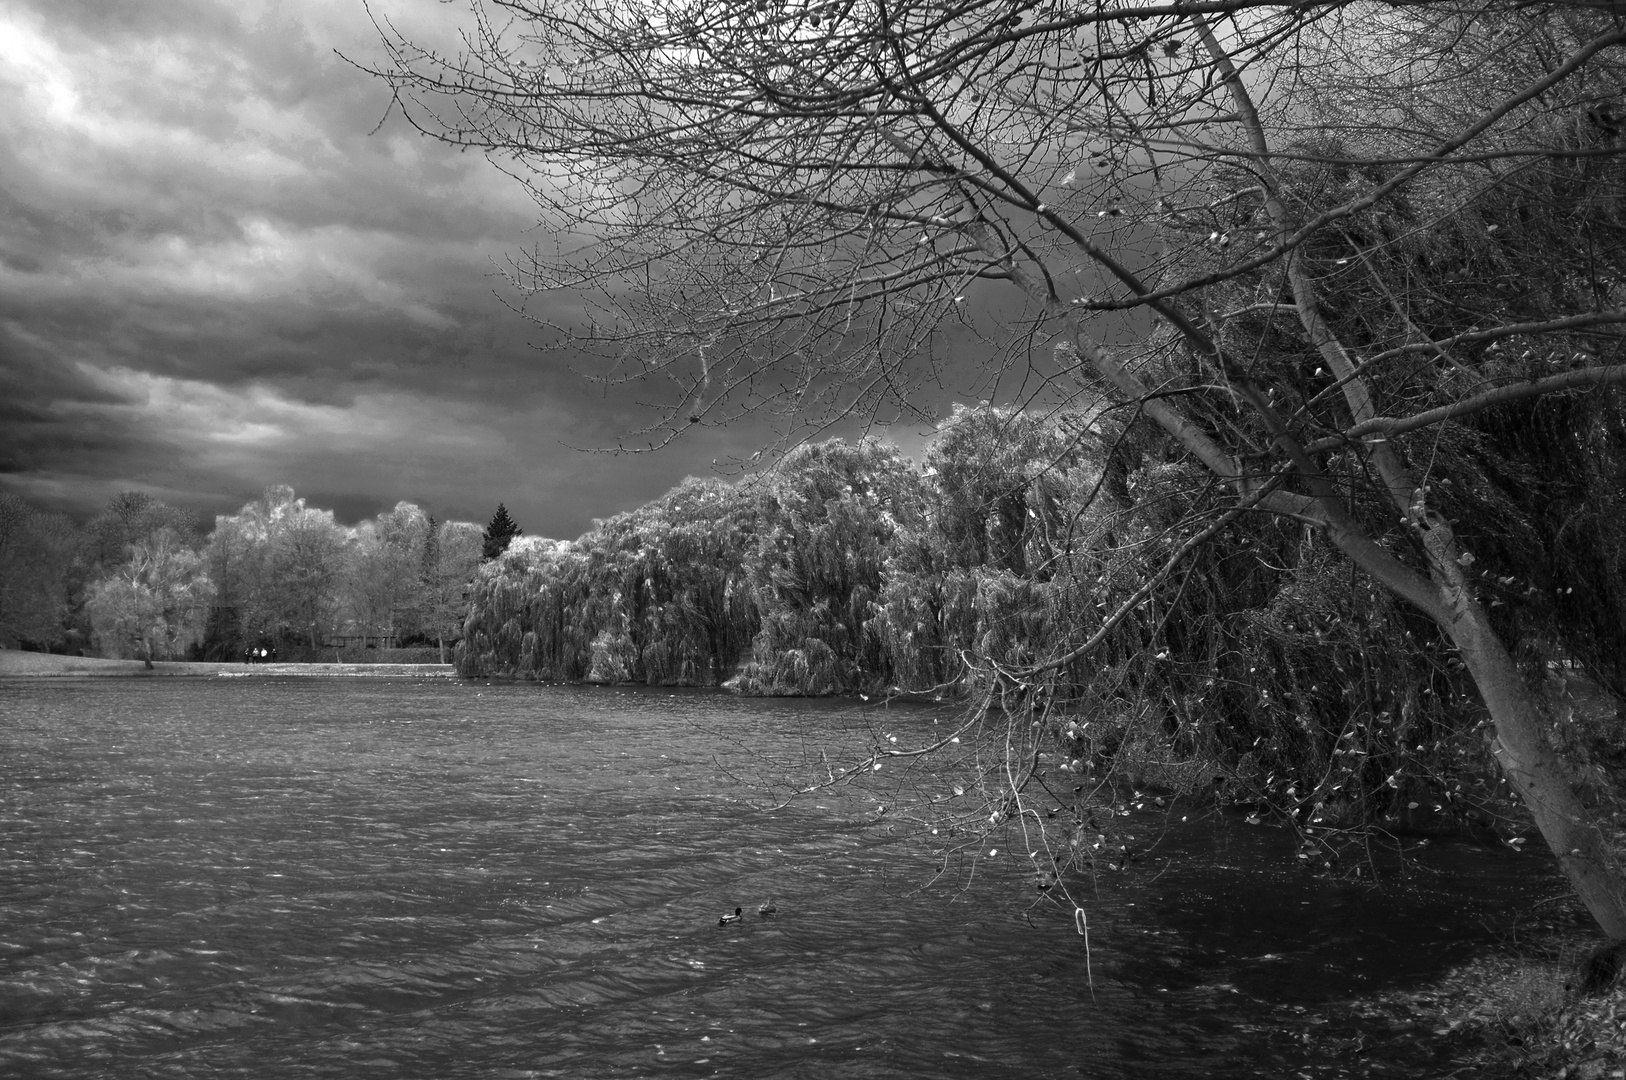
140	579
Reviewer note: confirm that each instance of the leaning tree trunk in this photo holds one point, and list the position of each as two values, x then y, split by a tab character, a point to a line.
1527	757
1531	764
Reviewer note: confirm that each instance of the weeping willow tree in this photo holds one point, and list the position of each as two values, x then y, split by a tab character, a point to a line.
1376	250
826	523
1004	560
658	595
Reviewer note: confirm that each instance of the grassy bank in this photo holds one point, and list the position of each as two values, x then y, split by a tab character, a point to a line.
16	664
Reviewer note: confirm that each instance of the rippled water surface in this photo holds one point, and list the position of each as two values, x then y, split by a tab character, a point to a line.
309	878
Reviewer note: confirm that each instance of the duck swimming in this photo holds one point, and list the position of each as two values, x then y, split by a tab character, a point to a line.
726	919
770	908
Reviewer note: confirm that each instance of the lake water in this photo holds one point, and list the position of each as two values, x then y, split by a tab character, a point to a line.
384	878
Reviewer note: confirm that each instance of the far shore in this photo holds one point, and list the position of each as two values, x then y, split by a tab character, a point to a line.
17	664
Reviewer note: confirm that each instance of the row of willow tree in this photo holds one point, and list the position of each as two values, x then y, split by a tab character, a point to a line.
140	580
1273	668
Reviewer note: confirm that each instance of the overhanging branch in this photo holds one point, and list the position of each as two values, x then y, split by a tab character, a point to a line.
1389	426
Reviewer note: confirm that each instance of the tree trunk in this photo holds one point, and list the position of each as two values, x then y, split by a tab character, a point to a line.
1532	766
1521	746
441	641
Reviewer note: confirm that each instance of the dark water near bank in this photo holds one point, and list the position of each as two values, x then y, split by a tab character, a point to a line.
285	878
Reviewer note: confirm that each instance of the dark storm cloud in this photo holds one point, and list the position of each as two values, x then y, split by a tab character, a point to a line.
215	275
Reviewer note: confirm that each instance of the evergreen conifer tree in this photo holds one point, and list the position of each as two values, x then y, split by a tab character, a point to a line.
499	534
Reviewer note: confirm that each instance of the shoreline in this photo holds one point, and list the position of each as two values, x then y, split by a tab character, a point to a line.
15	663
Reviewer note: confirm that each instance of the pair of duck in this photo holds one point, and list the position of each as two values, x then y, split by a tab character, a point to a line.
770	908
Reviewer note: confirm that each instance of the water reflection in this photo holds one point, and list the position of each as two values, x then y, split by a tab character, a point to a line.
284	878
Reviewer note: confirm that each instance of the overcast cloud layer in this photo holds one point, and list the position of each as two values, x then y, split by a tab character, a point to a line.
213	278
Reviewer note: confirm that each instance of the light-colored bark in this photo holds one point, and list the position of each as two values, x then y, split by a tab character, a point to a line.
1535	770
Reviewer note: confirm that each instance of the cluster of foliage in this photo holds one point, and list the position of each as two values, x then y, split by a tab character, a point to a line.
153	604
1270	667
770	583
287	571
130	576
139	580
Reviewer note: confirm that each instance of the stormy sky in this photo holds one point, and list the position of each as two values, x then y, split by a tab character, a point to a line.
216	275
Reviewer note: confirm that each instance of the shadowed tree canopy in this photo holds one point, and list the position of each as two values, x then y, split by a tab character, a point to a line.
1356	268
36	551
131	517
